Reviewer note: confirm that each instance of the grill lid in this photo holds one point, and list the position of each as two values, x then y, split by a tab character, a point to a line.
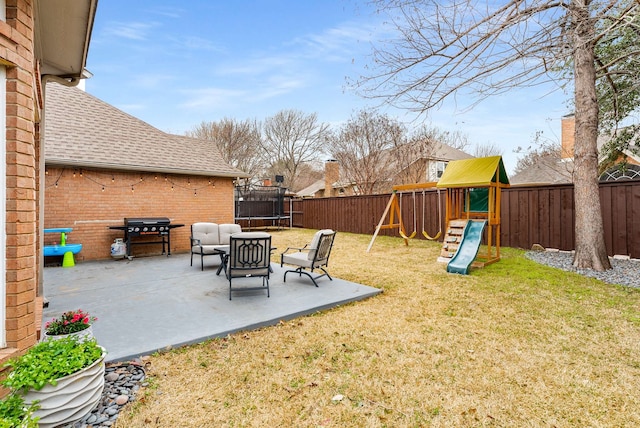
139	221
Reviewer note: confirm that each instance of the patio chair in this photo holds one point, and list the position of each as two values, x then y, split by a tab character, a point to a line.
249	256
312	256
207	239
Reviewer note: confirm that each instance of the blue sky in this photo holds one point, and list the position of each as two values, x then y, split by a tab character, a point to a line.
175	64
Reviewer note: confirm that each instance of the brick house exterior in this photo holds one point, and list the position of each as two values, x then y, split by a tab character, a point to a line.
104	165
34	36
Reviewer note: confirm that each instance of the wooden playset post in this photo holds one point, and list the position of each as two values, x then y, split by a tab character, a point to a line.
393	210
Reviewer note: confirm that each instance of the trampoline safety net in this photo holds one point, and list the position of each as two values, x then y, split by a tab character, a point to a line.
260	203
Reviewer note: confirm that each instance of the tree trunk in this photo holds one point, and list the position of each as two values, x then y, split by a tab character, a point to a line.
590	247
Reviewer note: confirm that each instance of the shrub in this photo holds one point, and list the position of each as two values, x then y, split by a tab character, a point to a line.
50	360
14	413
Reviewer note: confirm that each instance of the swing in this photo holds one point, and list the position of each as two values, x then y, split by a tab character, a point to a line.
424	232
415	228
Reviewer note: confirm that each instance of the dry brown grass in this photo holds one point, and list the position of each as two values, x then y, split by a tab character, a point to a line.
512	345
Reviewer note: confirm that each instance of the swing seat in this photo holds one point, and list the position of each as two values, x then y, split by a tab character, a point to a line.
435	238
413	235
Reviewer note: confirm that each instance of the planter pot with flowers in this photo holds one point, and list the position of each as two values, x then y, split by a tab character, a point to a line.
64	378
76	323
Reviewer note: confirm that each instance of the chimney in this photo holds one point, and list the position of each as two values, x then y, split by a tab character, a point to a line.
266	182
331	176
568	136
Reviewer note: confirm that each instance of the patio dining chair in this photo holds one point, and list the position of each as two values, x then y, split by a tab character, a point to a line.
314	255
249	256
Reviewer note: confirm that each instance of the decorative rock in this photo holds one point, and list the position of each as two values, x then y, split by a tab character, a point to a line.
622	272
111	377
121	400
537	247
115	395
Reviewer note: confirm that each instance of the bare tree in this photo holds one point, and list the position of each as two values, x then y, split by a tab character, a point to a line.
293	138
487	149
239	142
308	174
413	156
422	146
541	148
363	147
409	159
490	48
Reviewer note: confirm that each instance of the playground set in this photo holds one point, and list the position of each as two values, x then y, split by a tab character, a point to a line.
472	212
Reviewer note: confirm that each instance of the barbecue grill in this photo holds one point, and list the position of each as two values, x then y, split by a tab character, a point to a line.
147	226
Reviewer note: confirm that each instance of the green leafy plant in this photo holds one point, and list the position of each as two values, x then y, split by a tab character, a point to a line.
48	361
15	413
69	322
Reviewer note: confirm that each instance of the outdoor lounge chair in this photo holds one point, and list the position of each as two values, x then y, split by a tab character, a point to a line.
312	256
208	238
249	256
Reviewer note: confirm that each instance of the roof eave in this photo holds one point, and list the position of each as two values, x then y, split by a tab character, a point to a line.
141	168
62	35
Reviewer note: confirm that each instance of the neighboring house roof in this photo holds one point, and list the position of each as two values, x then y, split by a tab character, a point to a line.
311	190
437	152
83	131
319	186
546	170
443	152
477	172
551	170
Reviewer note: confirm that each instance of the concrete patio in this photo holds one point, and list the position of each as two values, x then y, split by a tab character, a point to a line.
154	303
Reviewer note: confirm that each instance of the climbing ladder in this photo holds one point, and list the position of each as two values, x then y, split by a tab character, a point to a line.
452	239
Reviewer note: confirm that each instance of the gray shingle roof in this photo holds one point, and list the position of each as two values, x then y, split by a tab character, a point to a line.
311	190
546	170
443	152
83	131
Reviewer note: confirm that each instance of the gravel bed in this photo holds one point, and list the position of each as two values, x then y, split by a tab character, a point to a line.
121	383
624	271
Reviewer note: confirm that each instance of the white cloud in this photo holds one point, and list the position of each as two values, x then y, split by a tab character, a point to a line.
152	81
258	65
131	107
337	43
211	97
167	11
129	30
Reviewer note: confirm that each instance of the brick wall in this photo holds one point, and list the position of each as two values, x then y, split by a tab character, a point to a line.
91	200
331	175
16	48
568	136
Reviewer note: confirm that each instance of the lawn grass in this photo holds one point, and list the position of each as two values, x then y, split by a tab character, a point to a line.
512	344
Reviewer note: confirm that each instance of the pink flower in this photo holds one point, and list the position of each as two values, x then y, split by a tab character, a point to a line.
69	322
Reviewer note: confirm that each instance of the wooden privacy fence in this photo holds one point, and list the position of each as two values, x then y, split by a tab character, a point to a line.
530	215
